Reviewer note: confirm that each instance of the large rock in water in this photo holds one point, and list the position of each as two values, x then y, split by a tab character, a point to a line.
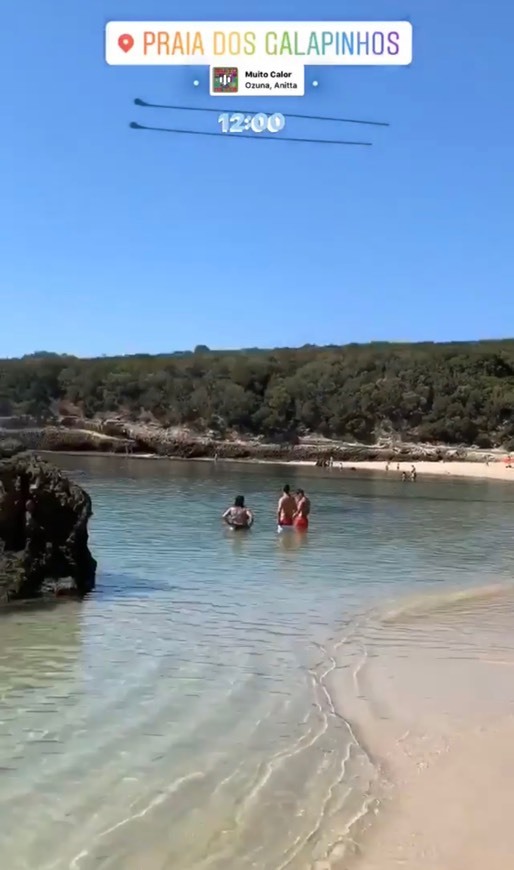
43	531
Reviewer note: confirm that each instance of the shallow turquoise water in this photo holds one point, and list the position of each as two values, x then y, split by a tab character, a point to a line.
180	717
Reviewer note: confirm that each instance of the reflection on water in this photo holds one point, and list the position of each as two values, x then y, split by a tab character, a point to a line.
292	540
183	716
39	651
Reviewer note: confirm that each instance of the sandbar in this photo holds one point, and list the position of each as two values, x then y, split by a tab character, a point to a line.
433	697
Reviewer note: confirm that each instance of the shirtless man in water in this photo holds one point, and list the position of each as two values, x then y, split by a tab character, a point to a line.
303	509
286	508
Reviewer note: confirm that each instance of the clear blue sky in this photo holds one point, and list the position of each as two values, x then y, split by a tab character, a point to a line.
113	240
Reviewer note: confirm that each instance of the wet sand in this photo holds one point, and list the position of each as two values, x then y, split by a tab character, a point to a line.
434	699
453	811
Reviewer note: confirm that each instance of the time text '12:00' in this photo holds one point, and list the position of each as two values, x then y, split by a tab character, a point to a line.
238	122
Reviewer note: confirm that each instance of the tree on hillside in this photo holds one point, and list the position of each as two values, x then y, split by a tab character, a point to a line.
453	393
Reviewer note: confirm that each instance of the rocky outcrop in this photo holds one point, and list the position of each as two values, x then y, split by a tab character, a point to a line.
182	443
43	531
60	438
75	434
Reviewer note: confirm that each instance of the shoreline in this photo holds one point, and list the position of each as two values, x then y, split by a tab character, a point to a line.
470	469
441	735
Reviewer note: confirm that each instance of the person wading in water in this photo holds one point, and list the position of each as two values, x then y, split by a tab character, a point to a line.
303	509
286	508
238	516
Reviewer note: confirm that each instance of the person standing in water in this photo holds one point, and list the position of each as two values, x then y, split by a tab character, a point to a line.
238	516
303	509
286	508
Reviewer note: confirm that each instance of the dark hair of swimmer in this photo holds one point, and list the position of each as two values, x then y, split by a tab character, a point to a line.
287	489
239	501
300	492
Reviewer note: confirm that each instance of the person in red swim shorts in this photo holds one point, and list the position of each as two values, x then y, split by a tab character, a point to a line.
303	509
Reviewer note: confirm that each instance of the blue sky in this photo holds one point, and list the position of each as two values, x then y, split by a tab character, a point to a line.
113	240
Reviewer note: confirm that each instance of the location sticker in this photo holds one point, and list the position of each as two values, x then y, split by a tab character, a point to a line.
126	42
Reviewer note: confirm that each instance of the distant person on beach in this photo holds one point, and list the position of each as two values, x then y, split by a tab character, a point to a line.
413	473
238	516
404	475
286	508
303	509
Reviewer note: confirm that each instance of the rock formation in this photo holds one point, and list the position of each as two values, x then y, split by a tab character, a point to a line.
76	434
43	531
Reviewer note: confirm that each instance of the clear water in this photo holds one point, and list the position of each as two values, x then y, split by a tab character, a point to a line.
182	716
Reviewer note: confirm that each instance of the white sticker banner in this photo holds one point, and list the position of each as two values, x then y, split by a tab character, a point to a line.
207	43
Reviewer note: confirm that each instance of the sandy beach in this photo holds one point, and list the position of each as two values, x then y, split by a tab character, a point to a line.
497	470
481	470
432	696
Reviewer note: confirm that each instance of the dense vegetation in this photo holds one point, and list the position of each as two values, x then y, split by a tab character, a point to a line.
452	393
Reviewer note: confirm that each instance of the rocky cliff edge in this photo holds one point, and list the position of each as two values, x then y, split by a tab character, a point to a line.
43	531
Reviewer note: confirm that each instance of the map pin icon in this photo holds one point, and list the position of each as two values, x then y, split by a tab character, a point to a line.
126	42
